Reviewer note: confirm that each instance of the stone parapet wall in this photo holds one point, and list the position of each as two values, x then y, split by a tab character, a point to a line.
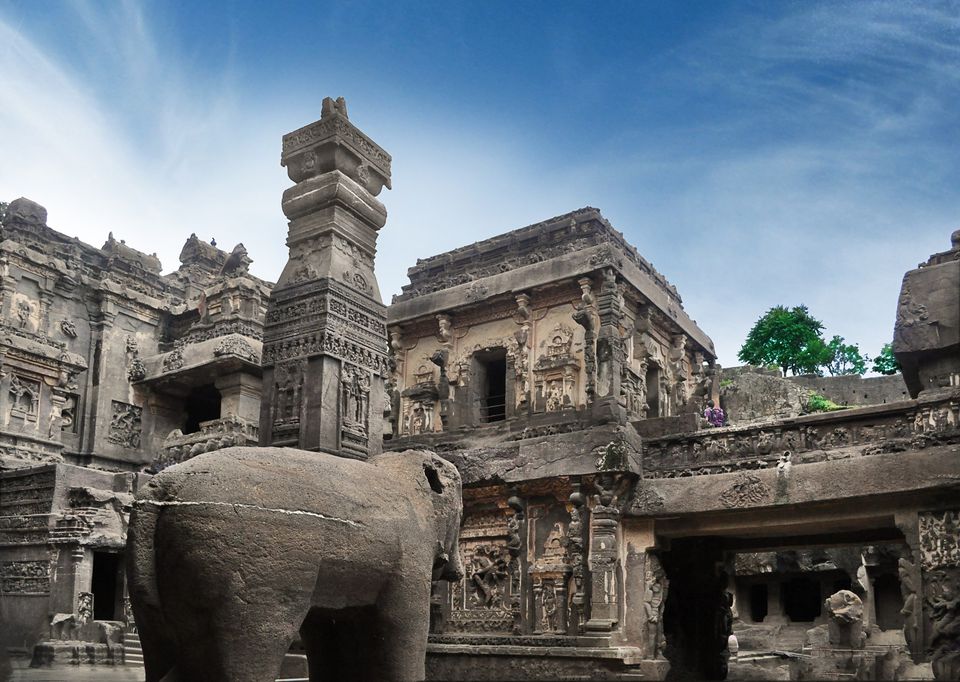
849	433
749	393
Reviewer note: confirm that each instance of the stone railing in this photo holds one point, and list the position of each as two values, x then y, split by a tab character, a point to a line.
891	427
213	435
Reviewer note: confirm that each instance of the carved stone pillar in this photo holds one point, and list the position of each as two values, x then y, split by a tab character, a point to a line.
611	350
575	559
585	317
517	532
239	395
604	558
325	349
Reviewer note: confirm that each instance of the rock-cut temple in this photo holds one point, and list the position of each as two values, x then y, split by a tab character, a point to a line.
609	531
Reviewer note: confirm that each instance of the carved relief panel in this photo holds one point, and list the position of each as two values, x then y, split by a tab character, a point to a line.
940	570
556	372
483	601
125	425
355	384
24	398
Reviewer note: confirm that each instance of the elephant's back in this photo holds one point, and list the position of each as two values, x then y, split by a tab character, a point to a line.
283	478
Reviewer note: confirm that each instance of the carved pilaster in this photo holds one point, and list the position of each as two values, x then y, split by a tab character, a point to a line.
604	557
575	557
585	317
325	328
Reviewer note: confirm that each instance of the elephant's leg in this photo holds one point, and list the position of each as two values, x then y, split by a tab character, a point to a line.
244	644
403	622
158	657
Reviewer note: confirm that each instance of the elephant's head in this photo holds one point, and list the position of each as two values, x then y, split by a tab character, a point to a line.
447	497
436	481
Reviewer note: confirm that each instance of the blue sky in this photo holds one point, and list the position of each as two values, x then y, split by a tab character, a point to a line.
757	153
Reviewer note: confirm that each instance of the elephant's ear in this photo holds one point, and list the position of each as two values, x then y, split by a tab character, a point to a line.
433	478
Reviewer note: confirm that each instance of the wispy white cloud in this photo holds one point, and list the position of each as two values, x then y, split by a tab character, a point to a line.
816	171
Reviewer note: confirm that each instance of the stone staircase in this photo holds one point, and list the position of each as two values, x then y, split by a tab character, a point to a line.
132	651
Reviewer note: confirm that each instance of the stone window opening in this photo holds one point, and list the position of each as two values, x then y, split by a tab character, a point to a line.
202	404
105	584
492	384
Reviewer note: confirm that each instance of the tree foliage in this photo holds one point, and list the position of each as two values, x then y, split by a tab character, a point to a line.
845	358
789	338
886	361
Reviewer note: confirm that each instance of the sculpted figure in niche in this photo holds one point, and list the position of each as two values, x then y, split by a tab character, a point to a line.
489	569
234	552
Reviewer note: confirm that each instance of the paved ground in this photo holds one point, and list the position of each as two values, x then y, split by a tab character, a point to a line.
84	673
76	673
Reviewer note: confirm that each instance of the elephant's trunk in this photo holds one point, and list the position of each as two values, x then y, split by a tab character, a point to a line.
448	565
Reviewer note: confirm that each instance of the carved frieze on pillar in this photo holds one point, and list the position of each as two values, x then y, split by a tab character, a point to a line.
940	569
585	316
521	365
325	327
575	558
604	557
611	350
654	600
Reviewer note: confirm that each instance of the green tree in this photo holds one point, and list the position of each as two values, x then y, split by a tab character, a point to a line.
845	358
3	210
886	361
789	338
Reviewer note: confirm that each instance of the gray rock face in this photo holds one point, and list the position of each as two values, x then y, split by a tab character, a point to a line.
234	552
926	336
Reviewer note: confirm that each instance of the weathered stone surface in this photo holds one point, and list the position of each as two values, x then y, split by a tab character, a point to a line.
926	336
233	552
325	338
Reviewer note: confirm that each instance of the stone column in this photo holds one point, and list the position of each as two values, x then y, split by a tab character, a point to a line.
611	349
604	559
240	396
575	558
585	316
325	338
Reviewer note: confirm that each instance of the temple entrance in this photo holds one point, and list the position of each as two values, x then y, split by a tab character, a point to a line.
492	384
697	616
201	404
105	586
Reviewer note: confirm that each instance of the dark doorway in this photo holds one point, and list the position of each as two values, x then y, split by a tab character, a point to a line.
492	379
801	599
201	404
653	392
758	602
696	615
889	601
105	584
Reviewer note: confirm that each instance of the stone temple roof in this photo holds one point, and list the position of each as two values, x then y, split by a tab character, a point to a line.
524	246
568	246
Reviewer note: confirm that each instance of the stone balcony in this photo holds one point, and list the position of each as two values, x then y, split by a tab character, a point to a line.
213	435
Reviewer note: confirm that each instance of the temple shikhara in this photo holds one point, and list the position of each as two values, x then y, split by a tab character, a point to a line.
608	532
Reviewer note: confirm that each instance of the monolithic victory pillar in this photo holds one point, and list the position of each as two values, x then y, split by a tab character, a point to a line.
325	337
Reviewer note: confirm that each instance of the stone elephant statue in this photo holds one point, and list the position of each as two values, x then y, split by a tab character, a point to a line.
235	552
